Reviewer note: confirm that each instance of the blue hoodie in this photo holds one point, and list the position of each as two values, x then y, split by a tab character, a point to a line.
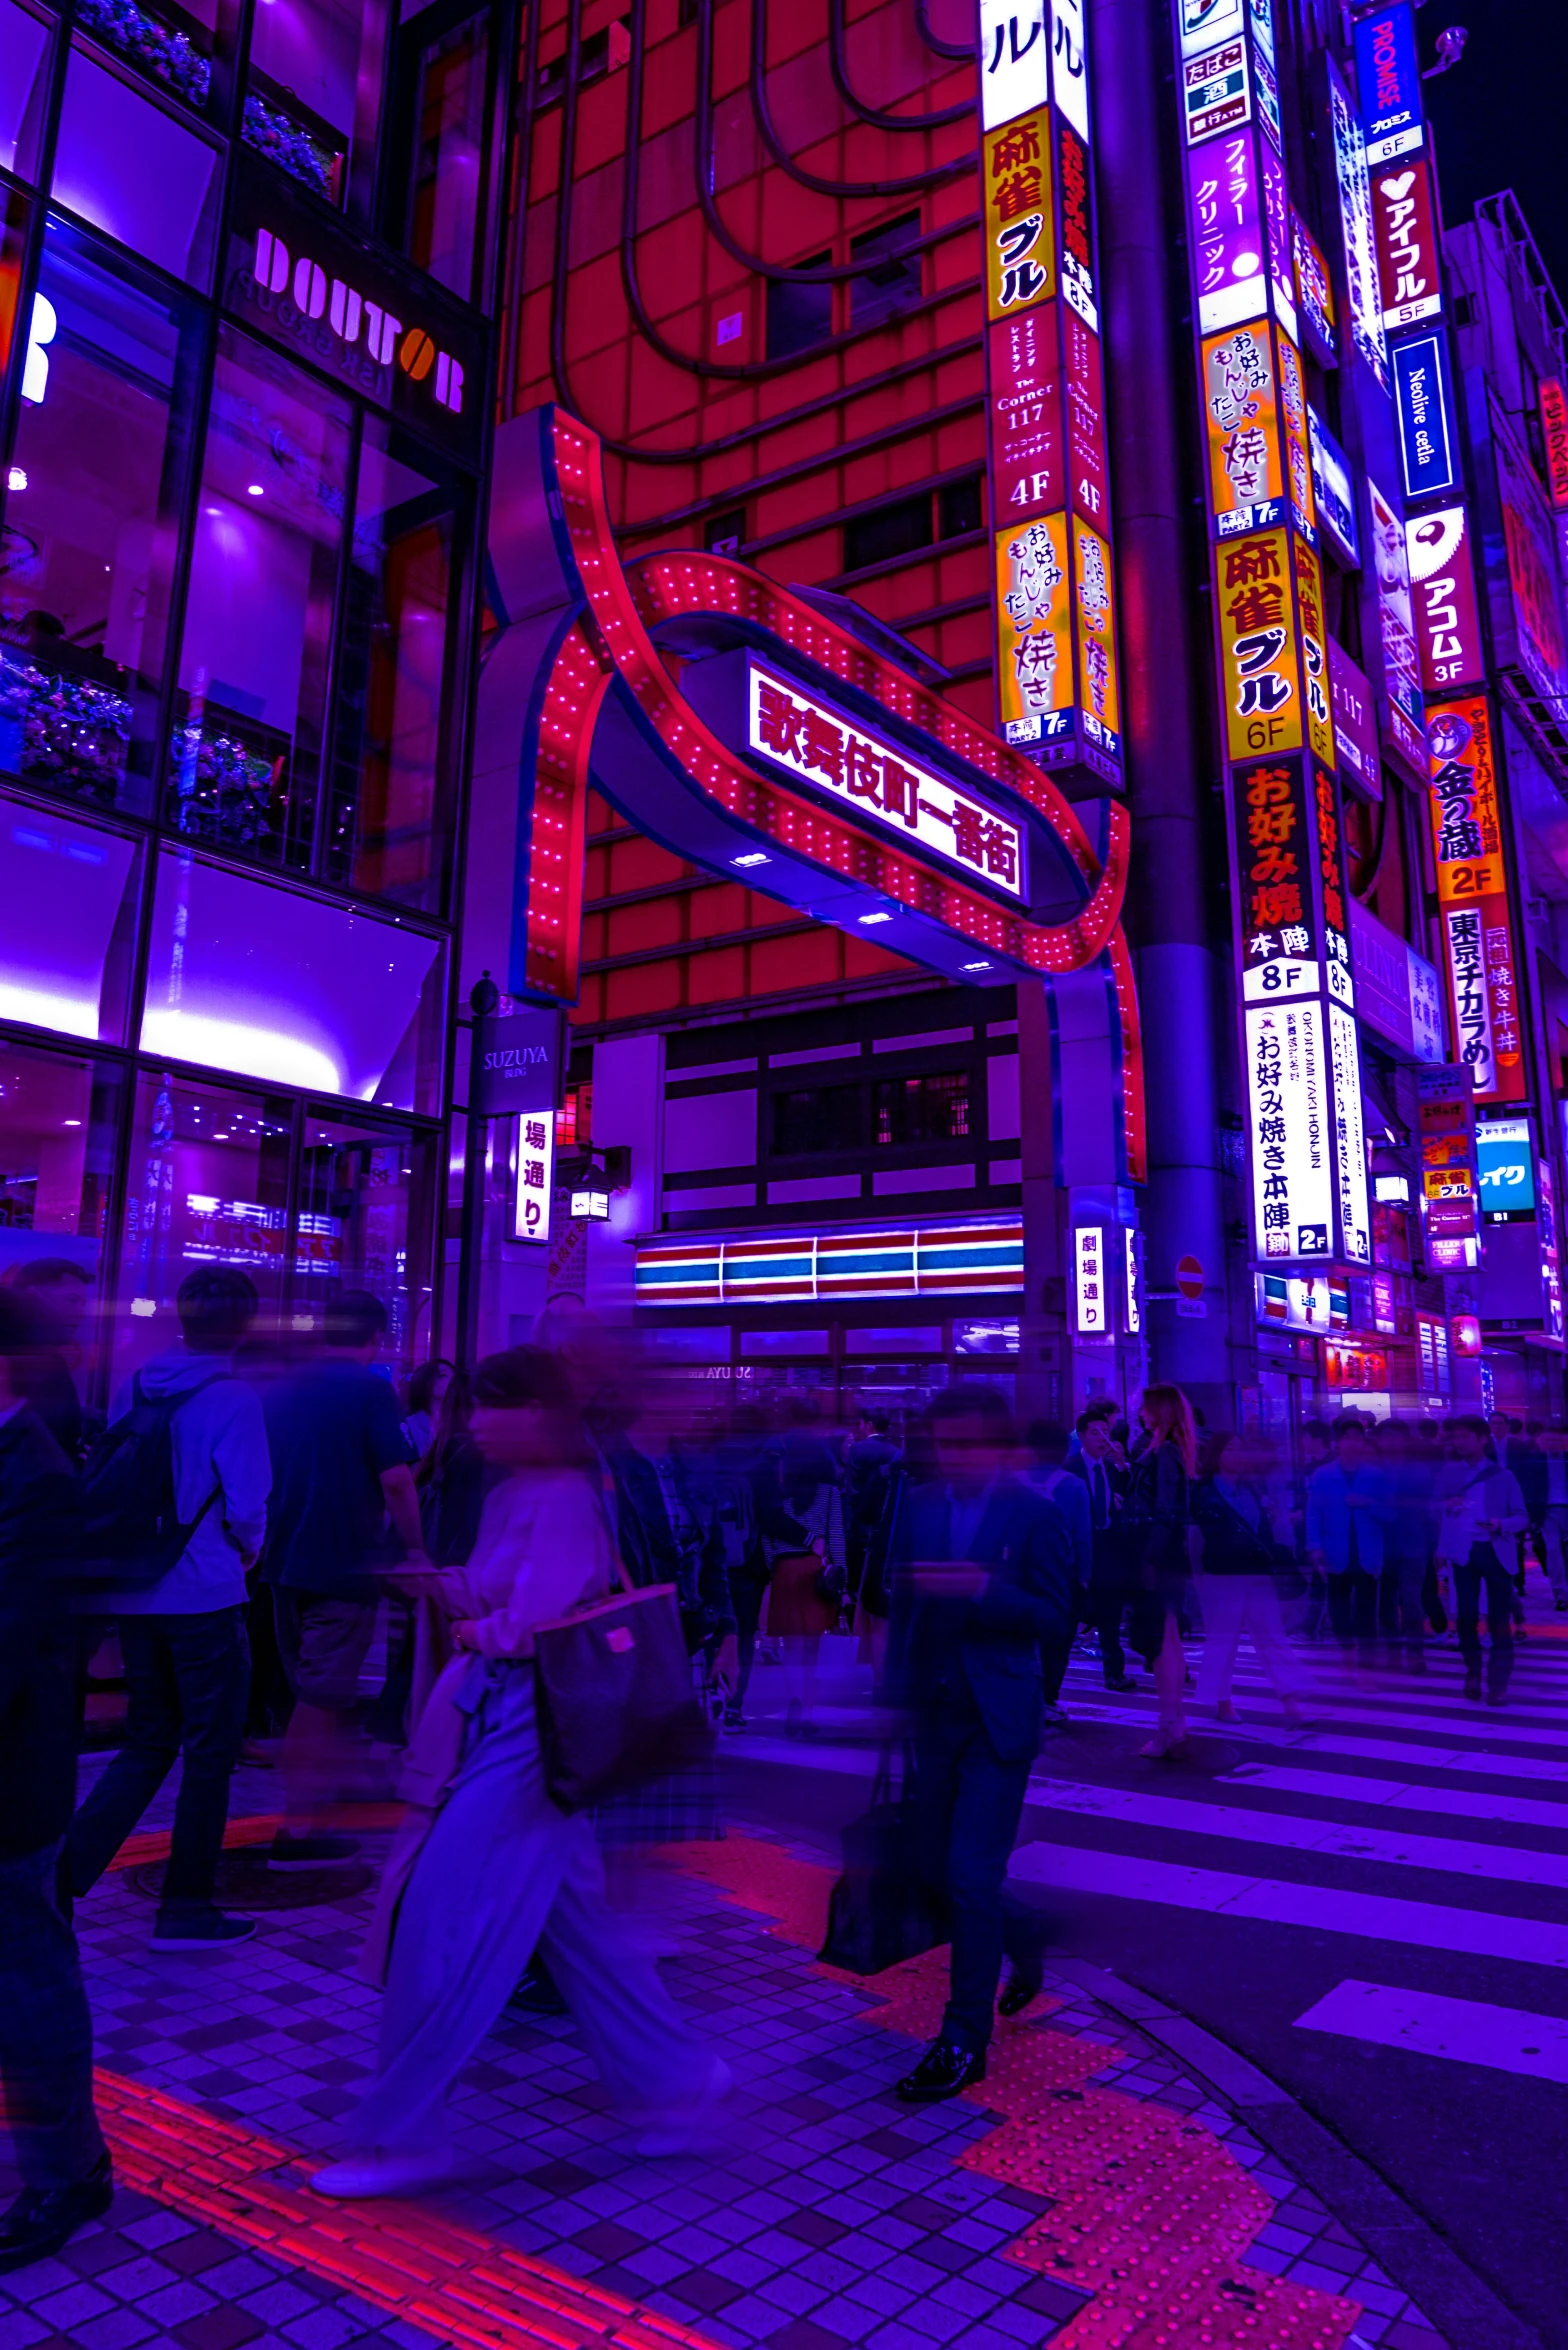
220	1441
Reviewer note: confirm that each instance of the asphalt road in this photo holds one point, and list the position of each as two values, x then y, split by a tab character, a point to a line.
1395	1871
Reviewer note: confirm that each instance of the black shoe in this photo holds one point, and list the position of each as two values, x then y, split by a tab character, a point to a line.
310	1852
536	1992
43	2218
941	2072
199	1929
734	1719
1473	1685
1017	1992
1123	1684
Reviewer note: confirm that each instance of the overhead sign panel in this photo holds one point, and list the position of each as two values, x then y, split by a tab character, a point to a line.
1388	82
1424	401
1472	892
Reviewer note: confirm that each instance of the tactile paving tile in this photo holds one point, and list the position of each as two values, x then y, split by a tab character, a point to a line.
1150	2213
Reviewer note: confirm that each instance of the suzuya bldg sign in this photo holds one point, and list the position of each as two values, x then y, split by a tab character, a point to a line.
755	737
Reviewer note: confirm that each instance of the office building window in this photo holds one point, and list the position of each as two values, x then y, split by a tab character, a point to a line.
921	1109
892	279
24	79
901	528
958	507
798	315
446	78
91	504
819	1118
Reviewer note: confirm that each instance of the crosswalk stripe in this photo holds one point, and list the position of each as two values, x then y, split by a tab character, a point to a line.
1401	1742
1402	1795
1288	1831
1430	2023
1375	1917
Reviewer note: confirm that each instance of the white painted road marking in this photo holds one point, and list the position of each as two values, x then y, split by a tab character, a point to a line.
1428	2023
1375	1917
1504	1863
1466	1803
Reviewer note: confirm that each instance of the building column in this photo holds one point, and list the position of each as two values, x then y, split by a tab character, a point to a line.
1178	920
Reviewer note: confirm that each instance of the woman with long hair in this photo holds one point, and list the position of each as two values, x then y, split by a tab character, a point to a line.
492	1869
1154	1523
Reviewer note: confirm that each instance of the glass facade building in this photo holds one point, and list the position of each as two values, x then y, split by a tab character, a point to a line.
245	261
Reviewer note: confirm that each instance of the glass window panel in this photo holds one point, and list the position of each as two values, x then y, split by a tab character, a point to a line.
15	212
245	976
58	1115
389	812
24	61
134	172
70	894
314	64
92	496
246	761
174	46
446	193
208	1184
366	1221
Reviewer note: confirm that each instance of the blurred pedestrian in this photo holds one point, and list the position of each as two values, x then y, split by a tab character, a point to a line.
749	1507
1050	1476
1479	1507
1244	1549
1554	1515
53	1293
341	1471
1102	1465
492	1869
1347	1511
868	1463
982	1579
1408	1536
46	2053
426	1388
810	1567
187	1660
1153	1530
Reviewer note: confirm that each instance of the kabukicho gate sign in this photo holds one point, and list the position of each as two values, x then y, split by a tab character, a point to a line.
735	724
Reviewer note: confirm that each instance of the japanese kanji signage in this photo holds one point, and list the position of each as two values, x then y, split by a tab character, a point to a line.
1388	82
1258	645
1472	891
1215	91
1056	667
881	782
1355	218
535	1172
1241	411
1292	1142
1404	223
1020	216
1314	290
1554	436
1403	707
1091	1282
1450	1184
1527	608
1015	58
1225	208
1355	725
1442	591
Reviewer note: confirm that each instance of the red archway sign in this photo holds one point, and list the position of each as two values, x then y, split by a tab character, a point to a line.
575	691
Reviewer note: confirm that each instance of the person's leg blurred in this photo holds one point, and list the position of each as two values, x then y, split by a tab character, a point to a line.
988	1799
46	2033
1224	1608
1467	1608
1262	1618
130	1780
1500	1631
211	1667
1410	1578
746	1593
1552	1534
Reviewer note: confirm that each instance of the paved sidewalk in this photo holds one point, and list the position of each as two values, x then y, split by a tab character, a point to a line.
1088	2195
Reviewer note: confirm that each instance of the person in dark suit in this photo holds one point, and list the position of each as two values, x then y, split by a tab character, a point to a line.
46	2040
982	1576
1102	1465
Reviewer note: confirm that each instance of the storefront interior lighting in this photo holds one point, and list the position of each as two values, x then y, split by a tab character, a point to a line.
1392	1188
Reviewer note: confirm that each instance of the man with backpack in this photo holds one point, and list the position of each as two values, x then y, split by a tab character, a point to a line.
175	1495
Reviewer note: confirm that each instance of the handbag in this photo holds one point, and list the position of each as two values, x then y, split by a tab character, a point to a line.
617	1705
883	1907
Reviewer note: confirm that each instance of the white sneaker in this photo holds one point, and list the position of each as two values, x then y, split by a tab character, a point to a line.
695	2128
384	2174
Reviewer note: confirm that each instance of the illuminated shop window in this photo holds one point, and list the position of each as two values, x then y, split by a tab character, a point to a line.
70	894
130	168
276	986
24	61
91	501
58	1113
366	1197
922	1109
310	60
388	816
245	765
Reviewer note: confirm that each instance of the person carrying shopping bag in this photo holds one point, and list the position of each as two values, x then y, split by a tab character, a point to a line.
490	1867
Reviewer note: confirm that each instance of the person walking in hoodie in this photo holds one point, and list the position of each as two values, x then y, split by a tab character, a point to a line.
1480	1514
187	1663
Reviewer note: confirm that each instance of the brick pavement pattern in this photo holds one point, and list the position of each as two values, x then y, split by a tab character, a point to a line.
1087	2195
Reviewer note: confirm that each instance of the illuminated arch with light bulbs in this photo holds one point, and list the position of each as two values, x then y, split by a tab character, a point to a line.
582	685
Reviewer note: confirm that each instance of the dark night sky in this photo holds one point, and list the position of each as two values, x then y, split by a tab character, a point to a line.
1501	115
